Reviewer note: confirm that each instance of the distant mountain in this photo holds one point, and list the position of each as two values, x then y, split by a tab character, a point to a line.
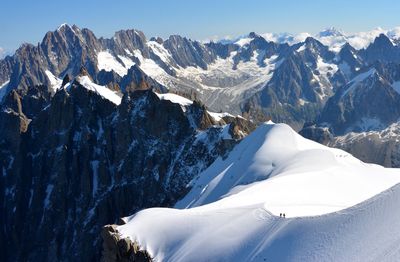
371	100
362	116
240	77
335	38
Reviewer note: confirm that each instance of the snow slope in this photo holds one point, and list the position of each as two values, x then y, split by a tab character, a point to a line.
3	89
333	202
101	90
106	61
177	99
54	81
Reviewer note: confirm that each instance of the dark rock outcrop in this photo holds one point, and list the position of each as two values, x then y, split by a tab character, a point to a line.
118	249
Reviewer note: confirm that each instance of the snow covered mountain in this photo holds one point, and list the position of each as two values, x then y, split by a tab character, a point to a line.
92	129
362	117
335	38
257	75
333	205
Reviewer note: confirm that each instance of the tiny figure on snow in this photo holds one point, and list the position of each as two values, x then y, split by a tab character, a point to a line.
284	215
280	214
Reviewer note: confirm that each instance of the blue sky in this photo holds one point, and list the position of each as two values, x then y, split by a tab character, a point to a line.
28	20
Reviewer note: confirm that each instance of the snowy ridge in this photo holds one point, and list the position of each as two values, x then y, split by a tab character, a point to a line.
233	208
175	99
3	89
101	90
184	102
357	80
54	81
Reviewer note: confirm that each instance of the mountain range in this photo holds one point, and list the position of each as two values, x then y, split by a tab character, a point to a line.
94	129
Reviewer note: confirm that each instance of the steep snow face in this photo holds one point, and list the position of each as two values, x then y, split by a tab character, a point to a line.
326	70
151	68
233	208
175	99
106	61
184	102
160	51
243	41
3	89
55	82
298	177
101	90
354	83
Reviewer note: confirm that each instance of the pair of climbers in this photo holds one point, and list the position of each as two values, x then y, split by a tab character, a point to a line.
282	215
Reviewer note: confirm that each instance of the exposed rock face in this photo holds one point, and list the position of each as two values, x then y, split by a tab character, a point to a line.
316	133
362	115
371	147
188	53
379	146
292	82
136	79
118	249
83	162
381	49
368	102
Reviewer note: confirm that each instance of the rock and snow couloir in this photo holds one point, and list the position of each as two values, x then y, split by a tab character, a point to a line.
334	206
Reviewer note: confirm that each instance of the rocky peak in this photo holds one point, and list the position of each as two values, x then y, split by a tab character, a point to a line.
368	102
382	41
330	32
347	49
295	72
239	127
186	52
381	49
222	50
199	115
157	39
315	48
349	55
253	35
258	45
131	39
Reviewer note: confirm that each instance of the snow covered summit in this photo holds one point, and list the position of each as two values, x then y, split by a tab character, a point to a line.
233	209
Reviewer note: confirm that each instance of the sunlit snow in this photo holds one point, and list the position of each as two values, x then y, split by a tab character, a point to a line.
233	209
101	90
